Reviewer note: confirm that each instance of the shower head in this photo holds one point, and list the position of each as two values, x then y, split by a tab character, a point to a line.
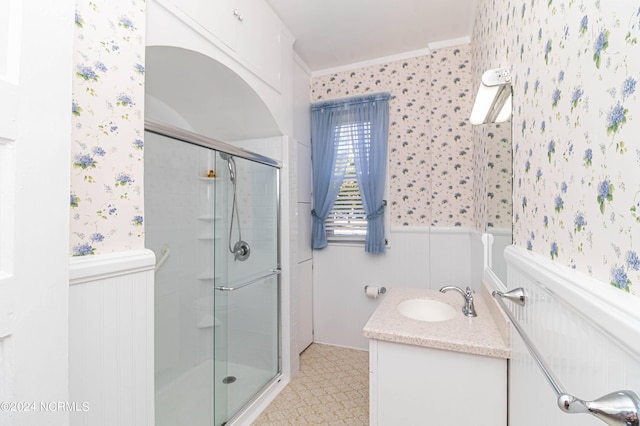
231	163
232	169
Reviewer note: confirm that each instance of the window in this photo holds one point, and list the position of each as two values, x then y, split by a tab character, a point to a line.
347	220
349	159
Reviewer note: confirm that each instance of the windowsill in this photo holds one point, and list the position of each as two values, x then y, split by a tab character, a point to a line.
346	243
351	243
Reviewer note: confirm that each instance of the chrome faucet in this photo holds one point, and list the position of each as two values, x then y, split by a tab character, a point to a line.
468	309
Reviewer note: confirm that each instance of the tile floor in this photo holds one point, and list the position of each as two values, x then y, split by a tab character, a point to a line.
332	388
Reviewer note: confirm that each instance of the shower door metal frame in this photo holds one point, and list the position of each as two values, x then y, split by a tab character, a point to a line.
206	142
210	143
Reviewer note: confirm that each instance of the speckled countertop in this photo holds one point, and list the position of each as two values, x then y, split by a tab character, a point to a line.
486	334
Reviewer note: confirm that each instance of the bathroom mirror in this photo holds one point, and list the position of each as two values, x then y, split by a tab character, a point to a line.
499	193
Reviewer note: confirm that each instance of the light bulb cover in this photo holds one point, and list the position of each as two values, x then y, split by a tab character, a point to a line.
493	101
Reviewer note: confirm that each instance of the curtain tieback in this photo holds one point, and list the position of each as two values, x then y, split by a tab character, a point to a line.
377	213
316	218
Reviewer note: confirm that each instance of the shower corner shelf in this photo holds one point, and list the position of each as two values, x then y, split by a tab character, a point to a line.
208	179
208	321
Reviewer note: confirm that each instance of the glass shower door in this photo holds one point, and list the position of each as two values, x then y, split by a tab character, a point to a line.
179	220
246	295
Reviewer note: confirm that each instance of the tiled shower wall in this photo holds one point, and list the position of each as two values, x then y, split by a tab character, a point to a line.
430	150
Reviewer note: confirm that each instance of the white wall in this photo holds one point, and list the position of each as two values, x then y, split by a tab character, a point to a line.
35	133
500	240
111	353
587	333
417	257
163	15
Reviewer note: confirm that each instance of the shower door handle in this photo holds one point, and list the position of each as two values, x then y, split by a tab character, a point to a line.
253	281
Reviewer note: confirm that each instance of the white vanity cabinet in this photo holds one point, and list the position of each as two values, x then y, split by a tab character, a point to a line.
437	372
249	28
417	386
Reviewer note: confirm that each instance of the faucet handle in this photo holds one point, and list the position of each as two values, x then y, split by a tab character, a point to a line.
468	309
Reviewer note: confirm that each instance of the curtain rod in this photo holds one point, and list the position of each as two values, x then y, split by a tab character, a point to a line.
351	100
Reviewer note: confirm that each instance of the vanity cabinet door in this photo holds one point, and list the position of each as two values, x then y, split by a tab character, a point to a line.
412	385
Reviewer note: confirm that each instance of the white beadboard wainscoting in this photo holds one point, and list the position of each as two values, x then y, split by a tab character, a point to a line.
428	257
111	338
587	331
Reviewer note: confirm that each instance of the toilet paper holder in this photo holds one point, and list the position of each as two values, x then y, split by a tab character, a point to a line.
381	290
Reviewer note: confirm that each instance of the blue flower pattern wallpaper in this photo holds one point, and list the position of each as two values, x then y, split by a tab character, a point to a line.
106	199
430	155
576	132
576	152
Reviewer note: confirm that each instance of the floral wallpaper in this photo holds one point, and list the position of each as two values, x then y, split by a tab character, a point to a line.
499	175
430	156
575	128
106	196
452	152
492	176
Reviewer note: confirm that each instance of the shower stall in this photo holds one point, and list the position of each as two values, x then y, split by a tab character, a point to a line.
211	214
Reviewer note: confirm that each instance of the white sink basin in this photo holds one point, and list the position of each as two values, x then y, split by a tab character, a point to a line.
426	310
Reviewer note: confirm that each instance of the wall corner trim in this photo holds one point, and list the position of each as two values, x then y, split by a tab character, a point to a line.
93	268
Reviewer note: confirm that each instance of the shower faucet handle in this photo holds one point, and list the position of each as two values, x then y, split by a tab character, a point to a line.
241	251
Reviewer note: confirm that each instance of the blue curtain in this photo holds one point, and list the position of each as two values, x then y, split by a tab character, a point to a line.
369	117
371	165
327	178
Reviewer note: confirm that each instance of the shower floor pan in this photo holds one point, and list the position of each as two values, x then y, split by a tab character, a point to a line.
188	400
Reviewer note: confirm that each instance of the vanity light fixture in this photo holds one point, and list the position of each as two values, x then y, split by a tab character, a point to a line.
493	101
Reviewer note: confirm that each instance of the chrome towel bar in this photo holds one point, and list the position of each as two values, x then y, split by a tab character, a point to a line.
618	408
253	281
517	295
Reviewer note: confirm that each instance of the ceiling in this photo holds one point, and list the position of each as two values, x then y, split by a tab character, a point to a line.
334	33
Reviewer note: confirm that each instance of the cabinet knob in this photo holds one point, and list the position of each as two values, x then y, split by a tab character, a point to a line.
237	14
